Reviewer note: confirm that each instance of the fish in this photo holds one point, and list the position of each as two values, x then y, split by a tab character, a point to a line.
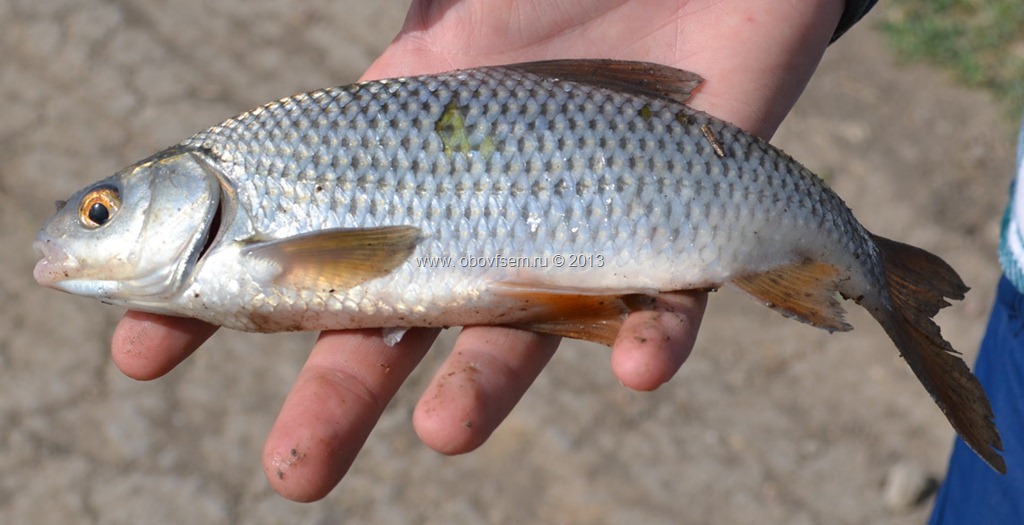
554	196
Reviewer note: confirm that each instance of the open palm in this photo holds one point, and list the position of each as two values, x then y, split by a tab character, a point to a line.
756	57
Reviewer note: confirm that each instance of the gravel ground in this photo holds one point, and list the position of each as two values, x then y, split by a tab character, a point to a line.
770	421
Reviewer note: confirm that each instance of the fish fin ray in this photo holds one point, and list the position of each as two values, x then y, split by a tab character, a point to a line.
567	312
805	291
393	334
919	284
637	78
920	280
338	258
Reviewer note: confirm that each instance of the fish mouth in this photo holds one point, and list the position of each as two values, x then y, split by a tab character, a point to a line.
61	271
56	264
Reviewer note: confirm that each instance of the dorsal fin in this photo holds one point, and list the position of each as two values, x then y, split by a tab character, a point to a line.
638	78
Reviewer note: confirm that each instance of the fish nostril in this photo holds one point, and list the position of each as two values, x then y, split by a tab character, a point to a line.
40	248
50	251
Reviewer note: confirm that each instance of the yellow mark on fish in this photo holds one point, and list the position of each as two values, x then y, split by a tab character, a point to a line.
456	138
645	112
715	144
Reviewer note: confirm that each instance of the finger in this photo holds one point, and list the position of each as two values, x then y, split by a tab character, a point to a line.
146	346
652	345
337	399
486	374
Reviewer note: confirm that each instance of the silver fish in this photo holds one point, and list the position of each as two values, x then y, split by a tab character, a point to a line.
553	196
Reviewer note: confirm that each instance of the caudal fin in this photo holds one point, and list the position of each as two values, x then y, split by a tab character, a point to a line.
919	284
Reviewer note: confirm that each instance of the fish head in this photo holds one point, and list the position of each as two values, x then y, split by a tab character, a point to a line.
132	238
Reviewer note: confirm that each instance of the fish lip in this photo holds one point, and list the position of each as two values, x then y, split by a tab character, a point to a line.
58	269
55	265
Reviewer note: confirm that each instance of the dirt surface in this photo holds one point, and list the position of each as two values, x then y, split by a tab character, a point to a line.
769	421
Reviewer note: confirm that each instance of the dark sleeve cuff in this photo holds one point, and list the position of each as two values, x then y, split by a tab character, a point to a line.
854	11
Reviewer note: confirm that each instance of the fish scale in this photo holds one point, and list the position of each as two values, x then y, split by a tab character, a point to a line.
401	202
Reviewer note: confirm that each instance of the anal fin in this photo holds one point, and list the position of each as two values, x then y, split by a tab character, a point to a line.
805	291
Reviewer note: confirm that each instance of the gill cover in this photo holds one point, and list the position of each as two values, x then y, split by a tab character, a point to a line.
131	238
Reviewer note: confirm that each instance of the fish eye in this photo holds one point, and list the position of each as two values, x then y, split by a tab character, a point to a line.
99	206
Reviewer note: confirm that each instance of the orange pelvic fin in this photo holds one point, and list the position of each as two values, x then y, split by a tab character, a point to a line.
339	258
919	284
577	314
805	291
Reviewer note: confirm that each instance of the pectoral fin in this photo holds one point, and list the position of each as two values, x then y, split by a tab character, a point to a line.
339	258
805	291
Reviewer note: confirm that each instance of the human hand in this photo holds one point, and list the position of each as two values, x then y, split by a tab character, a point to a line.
756	57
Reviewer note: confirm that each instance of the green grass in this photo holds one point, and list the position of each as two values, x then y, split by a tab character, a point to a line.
981	41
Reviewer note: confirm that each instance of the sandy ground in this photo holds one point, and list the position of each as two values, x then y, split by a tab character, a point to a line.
770	421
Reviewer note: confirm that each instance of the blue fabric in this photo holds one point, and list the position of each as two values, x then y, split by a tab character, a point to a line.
973	492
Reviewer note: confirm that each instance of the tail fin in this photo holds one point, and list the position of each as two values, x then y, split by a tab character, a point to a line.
919	284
